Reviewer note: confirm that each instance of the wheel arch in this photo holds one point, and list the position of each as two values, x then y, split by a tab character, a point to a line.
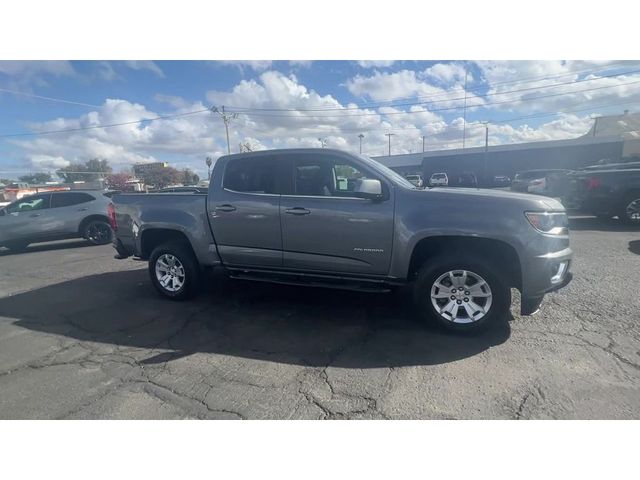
151	238
91	218
498	251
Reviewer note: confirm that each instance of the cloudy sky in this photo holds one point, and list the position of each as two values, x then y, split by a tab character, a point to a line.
292	104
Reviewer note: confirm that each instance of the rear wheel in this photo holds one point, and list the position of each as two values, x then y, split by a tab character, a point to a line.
98	232
462	294
174	271
630	211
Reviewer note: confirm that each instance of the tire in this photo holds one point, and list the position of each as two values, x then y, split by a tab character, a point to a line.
493	293
629	212
16	245
98	232
185	279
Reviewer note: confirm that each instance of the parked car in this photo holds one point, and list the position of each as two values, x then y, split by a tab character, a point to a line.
438	180
606	193
551	182
416	180
465	179
54	216
281	216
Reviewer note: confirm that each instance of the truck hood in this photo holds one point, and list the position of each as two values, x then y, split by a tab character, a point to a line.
528	201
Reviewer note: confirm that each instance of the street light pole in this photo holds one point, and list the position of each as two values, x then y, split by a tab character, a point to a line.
208	161
423	137
361	136
464	111
226	117
389	135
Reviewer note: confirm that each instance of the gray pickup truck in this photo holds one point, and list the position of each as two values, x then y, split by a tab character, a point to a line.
328	218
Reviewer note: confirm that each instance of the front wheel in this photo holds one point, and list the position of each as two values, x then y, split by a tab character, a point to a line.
462	294
174	271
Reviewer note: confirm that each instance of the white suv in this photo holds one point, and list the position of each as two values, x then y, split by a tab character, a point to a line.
439	180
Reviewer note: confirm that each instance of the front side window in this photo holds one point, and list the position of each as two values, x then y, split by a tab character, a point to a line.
69	199
29	203
326	178
251	175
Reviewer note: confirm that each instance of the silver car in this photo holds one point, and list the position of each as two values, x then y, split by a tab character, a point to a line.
55	216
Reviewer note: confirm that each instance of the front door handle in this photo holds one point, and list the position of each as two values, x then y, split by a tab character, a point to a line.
225	208
297	211
34	215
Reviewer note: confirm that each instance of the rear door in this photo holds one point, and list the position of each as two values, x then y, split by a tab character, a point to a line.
325	227
26	219
67	211
244	211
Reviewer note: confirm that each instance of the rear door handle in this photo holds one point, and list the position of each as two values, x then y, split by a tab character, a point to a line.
225	208
34	215
297	211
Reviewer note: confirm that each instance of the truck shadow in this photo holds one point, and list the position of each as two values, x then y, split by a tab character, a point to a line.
634	246
295	325
46	247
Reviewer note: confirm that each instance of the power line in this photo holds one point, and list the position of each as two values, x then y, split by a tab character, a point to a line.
50	99
93	127
404	112
361	106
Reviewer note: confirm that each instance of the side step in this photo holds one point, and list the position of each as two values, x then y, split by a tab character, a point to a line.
312	280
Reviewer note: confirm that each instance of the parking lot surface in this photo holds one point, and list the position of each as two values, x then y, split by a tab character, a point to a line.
83	335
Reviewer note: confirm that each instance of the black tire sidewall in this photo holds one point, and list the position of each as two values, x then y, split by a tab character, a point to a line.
188	261
501	300
93	222
622	215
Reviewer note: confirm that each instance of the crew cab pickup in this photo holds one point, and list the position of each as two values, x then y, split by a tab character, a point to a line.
328	218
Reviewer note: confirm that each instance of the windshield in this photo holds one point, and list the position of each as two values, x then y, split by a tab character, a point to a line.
396	177
438	175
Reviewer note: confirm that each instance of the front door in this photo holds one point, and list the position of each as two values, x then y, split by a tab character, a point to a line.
244	210
325	227
26	219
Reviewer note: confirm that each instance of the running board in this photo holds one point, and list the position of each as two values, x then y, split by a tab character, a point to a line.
311	280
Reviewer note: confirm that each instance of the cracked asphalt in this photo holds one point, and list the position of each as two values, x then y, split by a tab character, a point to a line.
83	335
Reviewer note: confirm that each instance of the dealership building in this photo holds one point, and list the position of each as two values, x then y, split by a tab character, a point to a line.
611	139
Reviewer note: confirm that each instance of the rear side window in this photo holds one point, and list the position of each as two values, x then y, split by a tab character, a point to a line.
69	199
251	175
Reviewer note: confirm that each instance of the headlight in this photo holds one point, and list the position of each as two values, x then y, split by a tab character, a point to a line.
551	223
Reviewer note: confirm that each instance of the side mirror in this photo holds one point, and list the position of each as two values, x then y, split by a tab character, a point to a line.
369	188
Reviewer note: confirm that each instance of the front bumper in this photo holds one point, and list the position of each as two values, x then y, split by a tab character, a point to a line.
547	274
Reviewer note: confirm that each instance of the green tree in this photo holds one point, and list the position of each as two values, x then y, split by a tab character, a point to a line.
40	177
189	177
158	176
117	181
89	171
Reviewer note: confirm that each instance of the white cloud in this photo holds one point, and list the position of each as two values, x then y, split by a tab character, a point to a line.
447	73
257	65
145	65
41	67
375	63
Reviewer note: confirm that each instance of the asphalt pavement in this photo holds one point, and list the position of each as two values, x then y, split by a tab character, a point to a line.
83	335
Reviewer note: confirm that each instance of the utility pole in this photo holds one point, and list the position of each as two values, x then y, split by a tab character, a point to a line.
361	136
389	135
323	141
423	137
486	152
595	126
226	117
464	110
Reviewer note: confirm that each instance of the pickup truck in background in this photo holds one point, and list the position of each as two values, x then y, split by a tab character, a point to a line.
288	216
606	191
